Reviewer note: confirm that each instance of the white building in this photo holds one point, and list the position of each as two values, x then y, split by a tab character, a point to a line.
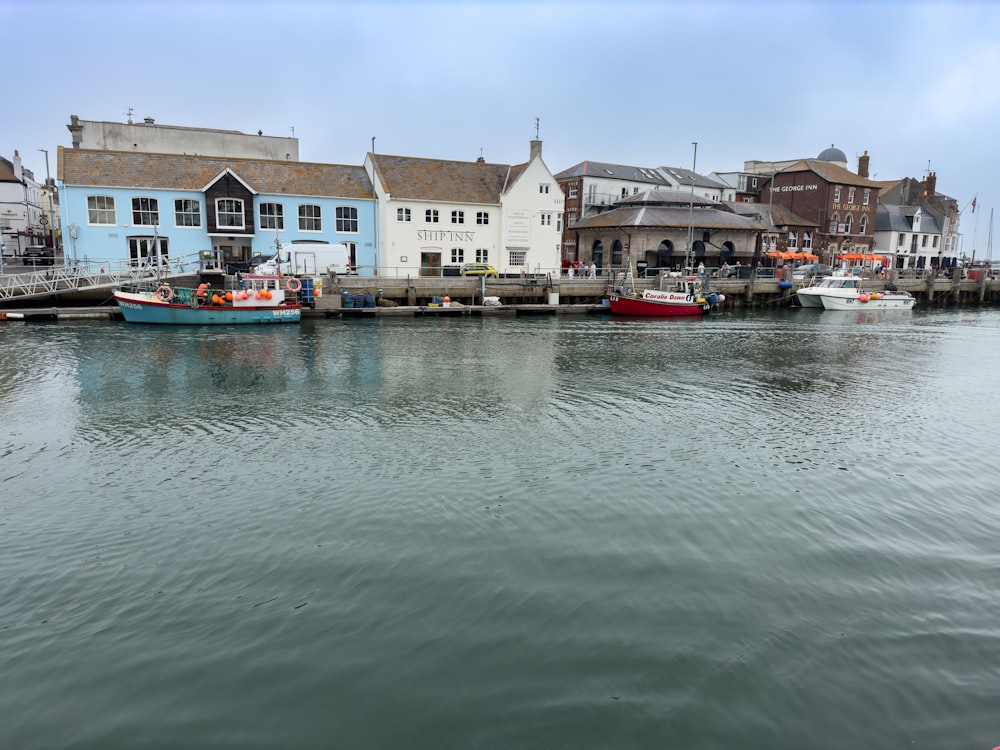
148	137
22	221
910	236
436	215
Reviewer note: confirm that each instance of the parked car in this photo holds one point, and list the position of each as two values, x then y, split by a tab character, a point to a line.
812	270
480	269
39	254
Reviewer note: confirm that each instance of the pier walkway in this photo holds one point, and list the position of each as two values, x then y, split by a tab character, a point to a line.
90	276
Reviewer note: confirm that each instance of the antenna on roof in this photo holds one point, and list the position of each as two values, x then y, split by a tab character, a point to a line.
129	115
536	128
292	128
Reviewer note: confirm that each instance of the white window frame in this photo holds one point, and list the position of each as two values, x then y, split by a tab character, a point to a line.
546	219
482	218
482	255
807	240
866	198
237	210
403	214
346	218
96	211
572	191
431	216
851	192
187	213
836	194
543	189
458	255
518	257
273	219
142	250
793	240
310	217
458	217
145	211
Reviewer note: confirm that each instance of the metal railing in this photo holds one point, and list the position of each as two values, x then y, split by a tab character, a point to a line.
88	274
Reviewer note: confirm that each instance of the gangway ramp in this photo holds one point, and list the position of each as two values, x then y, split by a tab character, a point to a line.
91	275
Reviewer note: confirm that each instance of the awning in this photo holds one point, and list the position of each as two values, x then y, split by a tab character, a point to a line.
863	257
791	255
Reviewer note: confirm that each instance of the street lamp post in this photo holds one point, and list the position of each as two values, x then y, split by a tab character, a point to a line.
48	189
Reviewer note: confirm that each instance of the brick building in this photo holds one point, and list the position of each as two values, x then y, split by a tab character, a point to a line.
825	193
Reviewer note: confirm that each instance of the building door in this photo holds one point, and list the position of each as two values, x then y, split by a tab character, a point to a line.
430	262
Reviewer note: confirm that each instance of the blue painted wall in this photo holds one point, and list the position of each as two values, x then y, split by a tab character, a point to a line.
106	242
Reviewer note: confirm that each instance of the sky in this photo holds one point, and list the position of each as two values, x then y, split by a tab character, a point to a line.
915	84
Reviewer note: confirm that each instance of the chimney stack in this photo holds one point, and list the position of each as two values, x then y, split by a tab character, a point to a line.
932	185
536	149
863	164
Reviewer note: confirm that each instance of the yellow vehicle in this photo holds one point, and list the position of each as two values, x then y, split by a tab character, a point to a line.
479	269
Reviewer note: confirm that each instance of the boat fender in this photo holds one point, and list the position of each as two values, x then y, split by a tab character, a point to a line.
862	298
164	292
293	285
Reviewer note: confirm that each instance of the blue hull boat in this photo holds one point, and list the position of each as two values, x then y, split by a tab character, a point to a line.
261	302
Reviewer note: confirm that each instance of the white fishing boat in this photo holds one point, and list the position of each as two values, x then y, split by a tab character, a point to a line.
862	300
840	283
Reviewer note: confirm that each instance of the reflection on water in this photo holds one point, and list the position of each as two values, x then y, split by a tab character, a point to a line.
501	532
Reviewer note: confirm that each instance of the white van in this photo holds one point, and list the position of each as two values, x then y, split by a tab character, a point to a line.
308	259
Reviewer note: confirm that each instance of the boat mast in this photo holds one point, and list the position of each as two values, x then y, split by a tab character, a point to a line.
687	252
989	242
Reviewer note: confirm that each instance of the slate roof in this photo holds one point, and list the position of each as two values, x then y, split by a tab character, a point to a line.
126	169
605	170
685	176
406	177
670	216
668	196
892	218
780	215
830	172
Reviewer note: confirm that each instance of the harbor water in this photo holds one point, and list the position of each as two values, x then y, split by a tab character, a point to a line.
761	530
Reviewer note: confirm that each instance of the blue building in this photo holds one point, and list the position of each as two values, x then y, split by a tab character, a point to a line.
118	205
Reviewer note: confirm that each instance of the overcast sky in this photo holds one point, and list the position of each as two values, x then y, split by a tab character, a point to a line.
916	84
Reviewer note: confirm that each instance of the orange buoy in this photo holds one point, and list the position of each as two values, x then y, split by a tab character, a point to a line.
229	296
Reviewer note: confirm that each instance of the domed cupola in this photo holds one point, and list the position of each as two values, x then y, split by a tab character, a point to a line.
833	154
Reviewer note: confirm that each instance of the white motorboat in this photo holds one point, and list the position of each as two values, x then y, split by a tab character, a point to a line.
841	283
860	300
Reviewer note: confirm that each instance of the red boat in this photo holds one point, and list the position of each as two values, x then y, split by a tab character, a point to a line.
686	298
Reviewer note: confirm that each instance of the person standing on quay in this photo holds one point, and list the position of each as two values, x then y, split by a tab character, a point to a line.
593	270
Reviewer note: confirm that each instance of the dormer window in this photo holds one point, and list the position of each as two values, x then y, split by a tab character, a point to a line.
229	213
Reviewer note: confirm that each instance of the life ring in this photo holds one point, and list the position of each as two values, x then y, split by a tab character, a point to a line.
293	285
164	292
